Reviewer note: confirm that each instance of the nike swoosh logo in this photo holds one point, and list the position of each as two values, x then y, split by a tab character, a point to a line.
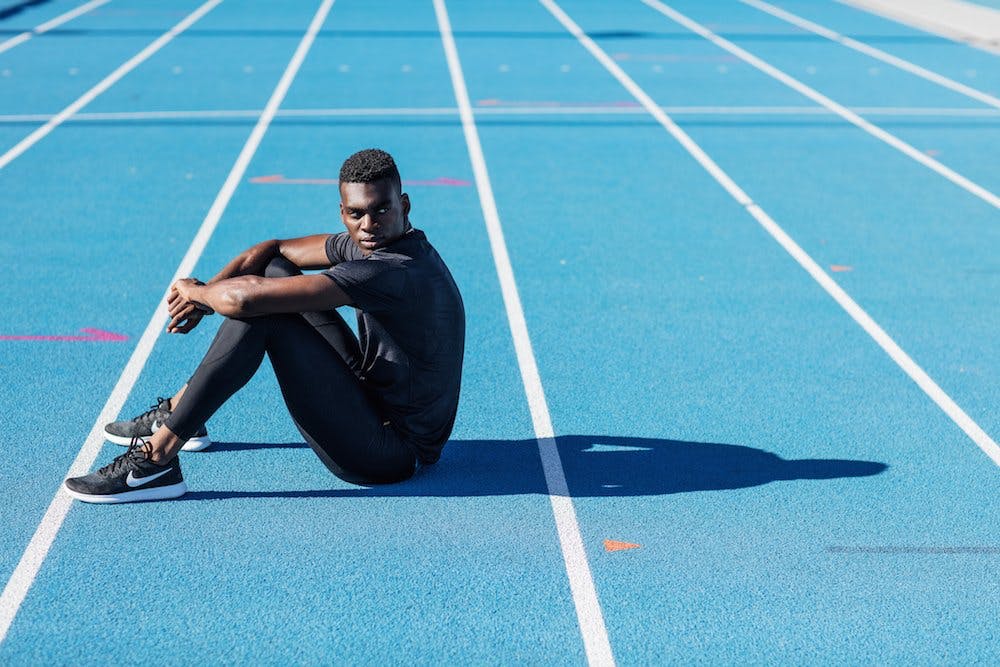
134	481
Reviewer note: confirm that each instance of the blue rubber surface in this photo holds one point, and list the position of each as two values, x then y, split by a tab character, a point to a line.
992	4
794	495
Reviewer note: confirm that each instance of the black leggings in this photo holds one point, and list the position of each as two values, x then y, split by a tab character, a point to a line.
315	356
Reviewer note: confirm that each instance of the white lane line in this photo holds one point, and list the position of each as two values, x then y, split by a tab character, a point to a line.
969	23
369	111
737	110
196	114
34	554
902	359
840	110
106	83
588	608
569	110
879	54
43	28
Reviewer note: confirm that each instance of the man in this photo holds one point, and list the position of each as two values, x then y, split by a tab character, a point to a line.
370	409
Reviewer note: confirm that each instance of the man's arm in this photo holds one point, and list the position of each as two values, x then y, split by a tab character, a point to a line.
305	252
252	296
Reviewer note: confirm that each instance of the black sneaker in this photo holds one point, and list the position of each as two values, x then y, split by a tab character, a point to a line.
130	478
144	425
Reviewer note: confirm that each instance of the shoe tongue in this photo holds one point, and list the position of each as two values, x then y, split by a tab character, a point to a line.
138	453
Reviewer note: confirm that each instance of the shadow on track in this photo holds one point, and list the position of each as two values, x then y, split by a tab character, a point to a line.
18	7
672	36
596	119
596	466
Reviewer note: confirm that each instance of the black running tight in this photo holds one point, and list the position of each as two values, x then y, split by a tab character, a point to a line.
313	355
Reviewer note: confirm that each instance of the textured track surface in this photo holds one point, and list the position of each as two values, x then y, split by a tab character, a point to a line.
793	495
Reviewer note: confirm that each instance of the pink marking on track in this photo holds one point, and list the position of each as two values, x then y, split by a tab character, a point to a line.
279	179
840	268
933	152
93	336
441	181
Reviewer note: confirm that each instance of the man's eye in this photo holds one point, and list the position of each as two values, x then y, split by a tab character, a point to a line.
383	211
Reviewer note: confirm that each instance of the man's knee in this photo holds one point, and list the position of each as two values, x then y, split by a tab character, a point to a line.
280	267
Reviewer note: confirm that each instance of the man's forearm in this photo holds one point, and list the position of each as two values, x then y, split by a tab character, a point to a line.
251	261
251	296
227	296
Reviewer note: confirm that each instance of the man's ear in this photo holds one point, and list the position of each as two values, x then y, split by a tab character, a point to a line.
405	199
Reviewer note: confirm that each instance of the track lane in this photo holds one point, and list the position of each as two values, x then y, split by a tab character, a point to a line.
707	354
462	562
103	277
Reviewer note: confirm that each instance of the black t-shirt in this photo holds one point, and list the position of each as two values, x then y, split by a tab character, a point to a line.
411	326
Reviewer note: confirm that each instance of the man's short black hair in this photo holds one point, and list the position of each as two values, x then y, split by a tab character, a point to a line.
369	166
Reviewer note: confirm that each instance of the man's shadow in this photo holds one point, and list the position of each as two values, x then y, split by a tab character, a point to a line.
595	466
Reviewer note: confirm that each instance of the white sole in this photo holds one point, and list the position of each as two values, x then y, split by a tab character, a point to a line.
195	444
139	495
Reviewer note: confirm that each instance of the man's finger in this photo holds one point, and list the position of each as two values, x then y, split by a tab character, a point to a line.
190	323
178	308
179	317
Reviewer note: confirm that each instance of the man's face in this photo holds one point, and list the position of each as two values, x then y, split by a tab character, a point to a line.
375	214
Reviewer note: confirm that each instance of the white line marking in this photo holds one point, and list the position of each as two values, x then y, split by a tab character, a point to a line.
42	28
902	359
939	18
401	111
569	110
879	54
106	83
840	110
14	41
37	549
737	111
588	608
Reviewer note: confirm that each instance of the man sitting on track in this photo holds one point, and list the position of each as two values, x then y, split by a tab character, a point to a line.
371	411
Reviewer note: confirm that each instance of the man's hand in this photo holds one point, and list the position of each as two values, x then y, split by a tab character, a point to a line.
185	311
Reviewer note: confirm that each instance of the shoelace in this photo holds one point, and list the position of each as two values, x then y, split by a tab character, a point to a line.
136	452
149	415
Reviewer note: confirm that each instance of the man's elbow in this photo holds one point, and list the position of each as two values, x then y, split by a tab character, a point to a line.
234	303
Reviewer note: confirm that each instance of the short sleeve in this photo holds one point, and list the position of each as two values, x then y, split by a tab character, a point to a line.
340	248
374	286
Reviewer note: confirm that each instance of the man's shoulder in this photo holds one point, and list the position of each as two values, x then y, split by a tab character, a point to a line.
342	248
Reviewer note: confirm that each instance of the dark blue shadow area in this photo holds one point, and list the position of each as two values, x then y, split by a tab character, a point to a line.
965	123
596	466
798	37
18	7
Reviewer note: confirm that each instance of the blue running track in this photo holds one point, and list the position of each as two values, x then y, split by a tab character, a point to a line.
754	479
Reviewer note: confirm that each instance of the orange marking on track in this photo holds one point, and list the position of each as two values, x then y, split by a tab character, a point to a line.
840	268
273	178
615	545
